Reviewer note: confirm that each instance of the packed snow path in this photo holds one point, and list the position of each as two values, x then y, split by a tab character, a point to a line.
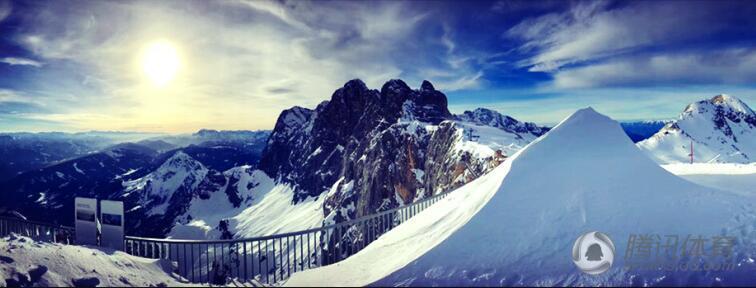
734	177
516	225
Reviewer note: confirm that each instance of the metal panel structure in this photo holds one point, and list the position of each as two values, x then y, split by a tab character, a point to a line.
85	215
111	218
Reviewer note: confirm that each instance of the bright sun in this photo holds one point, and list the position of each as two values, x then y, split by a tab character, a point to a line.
160	62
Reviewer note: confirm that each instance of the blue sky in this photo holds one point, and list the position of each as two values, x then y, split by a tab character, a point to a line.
79	65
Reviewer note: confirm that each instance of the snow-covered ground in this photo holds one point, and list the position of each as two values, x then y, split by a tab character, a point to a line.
25	262
511	227
733	177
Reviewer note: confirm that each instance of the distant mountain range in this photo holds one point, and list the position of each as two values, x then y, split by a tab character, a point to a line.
29	151
84	168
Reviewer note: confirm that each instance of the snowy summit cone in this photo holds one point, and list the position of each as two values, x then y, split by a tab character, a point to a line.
586	135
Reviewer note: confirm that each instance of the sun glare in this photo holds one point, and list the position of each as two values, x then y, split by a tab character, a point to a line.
160	62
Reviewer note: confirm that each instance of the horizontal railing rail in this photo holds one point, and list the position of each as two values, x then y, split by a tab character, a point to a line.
36	230
273	258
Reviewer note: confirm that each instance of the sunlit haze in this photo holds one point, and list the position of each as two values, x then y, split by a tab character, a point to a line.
160	62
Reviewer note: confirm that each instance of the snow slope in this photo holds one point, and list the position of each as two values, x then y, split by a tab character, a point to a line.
265	209
277	214
733	177
26	262
723	129
523	235
204	215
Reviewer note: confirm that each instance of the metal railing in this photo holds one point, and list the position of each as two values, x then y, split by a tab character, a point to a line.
36	230
271	259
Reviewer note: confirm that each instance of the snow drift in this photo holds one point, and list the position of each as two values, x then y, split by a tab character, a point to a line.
516	225
25	262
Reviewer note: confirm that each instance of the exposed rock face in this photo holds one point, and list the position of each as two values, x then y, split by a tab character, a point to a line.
311	148
449	167
369	150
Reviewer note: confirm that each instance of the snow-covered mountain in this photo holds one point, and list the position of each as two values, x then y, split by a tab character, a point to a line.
512	228
185	199
361	152
721	129
370	150
367	150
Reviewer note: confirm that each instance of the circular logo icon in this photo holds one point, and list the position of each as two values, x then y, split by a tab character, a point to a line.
593	253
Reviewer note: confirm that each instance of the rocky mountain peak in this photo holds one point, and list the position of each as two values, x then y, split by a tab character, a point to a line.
181	161
427	86
309	148
355	84
397	86
722	103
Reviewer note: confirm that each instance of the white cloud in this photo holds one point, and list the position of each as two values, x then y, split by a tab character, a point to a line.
594	30
730	66
244	61
21	61
10	96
